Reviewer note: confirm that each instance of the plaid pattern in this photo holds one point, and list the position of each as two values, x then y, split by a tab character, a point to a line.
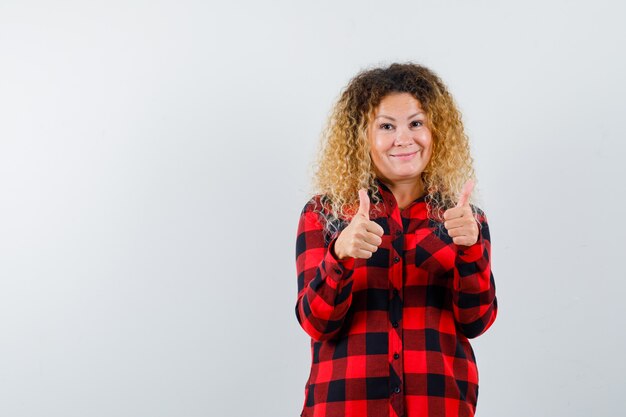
389	334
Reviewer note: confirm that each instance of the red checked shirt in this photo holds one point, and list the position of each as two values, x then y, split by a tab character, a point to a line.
389	334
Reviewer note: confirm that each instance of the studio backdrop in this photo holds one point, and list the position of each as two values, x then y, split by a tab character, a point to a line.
155	157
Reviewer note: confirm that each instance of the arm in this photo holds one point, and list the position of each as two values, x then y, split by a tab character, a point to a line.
324	282
474	291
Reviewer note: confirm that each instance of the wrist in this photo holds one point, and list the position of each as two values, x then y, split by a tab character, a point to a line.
333	250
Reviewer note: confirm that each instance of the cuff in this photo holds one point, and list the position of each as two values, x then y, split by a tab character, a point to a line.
471	253
337	268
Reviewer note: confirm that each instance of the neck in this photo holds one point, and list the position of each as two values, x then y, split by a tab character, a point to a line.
405	191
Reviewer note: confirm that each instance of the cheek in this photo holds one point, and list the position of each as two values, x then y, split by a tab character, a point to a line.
378	148
429	155
428	145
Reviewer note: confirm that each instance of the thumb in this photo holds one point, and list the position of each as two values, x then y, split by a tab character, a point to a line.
364	203
466	192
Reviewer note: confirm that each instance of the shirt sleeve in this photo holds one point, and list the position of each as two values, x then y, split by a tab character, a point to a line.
474	295
324	282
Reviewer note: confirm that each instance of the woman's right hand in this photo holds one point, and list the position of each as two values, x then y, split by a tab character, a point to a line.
361	237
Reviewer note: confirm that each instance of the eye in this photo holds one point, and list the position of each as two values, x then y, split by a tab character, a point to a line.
418	121
382	126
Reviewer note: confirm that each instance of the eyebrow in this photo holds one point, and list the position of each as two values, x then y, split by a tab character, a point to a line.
391	118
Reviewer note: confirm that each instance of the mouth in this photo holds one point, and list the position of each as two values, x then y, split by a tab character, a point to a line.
404	156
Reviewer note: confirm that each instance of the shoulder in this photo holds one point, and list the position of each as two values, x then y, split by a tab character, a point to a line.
317	214
315	204
317	211
476	209
480	213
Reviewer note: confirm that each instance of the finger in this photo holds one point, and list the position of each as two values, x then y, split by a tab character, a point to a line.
363	254
368	247
466	192
453	213
374	228
364	203
372	239
469	231
454	223
463	241
460	240
458	216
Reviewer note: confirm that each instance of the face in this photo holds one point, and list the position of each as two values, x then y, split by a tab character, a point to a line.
400	139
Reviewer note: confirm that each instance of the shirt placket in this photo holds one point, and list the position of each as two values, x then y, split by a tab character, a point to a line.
396	356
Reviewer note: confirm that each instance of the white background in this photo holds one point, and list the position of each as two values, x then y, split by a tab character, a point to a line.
155	156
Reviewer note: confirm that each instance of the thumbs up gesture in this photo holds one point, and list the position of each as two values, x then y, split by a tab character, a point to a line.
459	221
361	237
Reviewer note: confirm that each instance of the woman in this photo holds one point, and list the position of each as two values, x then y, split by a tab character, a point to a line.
394	272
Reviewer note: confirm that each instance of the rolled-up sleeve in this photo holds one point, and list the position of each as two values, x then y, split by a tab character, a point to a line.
324	282
474	291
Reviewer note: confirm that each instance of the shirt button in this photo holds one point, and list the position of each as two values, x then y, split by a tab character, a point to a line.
398	232
337	270
461	252
395	291
394	324
396	390
396	356
396	259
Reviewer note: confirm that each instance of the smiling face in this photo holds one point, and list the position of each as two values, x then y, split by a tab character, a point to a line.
400	139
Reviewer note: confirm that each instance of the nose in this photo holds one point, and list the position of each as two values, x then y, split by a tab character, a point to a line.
403	138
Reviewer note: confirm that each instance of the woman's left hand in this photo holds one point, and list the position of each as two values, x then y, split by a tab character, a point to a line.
459	221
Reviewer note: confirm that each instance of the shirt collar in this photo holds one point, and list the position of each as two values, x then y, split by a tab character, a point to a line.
383	188
389	199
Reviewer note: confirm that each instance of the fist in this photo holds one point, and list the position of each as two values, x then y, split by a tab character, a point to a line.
361	237
460	222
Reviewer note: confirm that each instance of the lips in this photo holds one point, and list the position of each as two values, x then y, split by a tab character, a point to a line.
405	154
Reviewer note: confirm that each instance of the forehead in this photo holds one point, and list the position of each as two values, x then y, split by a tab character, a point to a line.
397	105
398	102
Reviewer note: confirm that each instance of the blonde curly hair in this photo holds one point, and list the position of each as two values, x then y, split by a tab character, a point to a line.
344	164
